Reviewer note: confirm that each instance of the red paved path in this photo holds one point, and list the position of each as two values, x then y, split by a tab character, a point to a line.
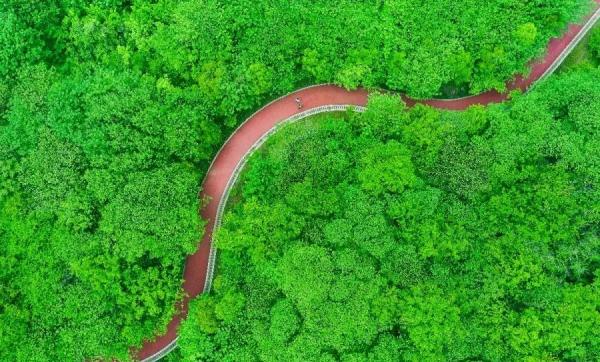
261	122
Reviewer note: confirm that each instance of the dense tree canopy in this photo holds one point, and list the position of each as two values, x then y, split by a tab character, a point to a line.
111	110
415	235
239	51
98	210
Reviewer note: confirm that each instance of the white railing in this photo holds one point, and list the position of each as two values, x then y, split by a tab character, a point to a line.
163	352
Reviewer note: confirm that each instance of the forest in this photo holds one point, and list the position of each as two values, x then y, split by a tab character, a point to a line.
111	111
415	235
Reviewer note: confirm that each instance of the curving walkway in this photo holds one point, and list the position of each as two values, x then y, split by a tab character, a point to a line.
255	130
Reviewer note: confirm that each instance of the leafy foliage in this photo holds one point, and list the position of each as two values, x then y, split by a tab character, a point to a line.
99	209
111	110
594	43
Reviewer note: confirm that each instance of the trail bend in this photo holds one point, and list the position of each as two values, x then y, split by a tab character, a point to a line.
230	159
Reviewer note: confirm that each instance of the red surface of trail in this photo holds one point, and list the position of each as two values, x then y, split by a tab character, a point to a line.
261	122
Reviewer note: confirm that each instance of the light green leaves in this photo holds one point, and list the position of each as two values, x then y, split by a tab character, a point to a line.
387	167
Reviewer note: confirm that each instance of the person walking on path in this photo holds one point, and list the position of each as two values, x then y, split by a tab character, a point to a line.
299	103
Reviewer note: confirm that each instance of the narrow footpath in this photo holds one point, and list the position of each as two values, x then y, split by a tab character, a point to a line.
230	159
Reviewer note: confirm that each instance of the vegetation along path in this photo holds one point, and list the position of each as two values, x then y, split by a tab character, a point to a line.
317	99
